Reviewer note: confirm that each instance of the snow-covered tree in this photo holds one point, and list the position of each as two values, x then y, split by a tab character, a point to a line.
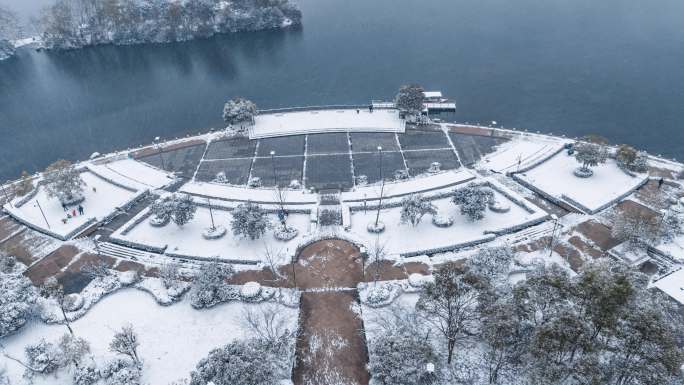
63	181
162	208
401	357
121	371
492	263
450	305
410	99
125	342
42	358
169	273
269	325
25	184
239	111
86	374
414	207
183	209
73	349
240	362
8	32
637	227
209	286
473	200
631	159
52	289
95	269
249	221
590	154
17	300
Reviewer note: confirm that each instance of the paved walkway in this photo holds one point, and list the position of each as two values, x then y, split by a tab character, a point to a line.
331	348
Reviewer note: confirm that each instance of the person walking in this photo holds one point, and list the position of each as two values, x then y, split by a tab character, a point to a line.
73	212
80	210
64	207
660	182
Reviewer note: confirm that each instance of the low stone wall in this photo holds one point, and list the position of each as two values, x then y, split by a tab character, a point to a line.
454	247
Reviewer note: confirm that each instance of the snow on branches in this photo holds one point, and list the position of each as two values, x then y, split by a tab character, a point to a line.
63	181
179	208
249	221
239	111
589	155
414	207
410	99
473	200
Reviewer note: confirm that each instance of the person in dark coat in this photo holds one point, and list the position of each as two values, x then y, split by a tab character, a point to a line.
64	207
80	210
660	182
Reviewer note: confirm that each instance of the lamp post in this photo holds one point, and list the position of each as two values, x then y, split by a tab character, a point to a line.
382	188
158	146
42	213
211	215
281	214
554	218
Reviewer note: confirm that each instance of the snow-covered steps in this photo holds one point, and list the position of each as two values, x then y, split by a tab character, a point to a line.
533	232
118	251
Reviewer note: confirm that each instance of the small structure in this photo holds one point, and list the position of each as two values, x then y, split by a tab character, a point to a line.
672	285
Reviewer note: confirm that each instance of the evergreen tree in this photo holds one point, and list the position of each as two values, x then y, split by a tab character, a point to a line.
239	362
239	111
473	200
249	221
410	99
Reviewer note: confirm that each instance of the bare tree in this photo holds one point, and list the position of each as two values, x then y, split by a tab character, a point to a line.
450	304
125	342
268	324
52	289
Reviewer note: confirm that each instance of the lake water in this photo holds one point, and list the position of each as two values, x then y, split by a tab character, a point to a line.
613	67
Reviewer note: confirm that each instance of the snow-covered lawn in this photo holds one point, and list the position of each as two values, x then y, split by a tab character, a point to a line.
555	177
413	185
524	149
188	240
98	204
132	173
308	122
172	338
673	285
402	238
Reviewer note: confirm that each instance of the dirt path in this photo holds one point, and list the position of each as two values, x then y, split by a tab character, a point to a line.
331	348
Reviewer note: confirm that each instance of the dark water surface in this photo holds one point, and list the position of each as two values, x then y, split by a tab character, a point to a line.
614	67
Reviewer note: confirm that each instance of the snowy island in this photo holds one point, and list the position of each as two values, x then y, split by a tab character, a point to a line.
346	246
66	24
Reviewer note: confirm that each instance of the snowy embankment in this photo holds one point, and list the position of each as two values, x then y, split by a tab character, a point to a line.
172	338
521	152
608	185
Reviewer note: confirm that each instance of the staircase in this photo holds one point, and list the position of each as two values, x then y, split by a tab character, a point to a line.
123	252
534	232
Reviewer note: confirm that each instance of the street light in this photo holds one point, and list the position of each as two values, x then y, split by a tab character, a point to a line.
281	214
42	213
382	188
158	146
211	215
554	218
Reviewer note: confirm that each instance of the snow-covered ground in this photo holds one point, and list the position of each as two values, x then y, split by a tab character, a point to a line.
188	240
555	177
399	238
134	174
101	199
413	185
321	121
673	285
674	249
525	150
172	338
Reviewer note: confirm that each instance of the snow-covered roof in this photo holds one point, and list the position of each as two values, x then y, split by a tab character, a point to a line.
432	94
673	285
